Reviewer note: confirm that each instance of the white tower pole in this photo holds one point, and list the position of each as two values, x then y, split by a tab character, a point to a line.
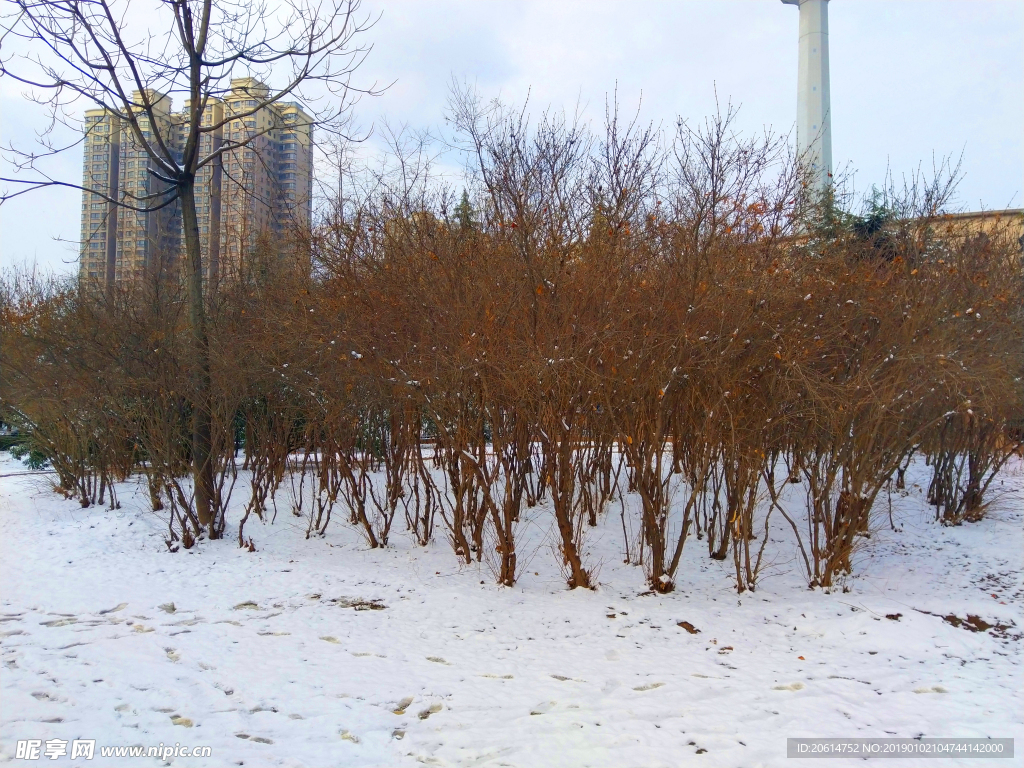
813	114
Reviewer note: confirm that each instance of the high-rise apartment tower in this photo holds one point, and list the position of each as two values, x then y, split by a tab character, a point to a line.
259	190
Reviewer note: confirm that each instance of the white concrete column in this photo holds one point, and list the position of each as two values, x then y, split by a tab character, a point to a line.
813	117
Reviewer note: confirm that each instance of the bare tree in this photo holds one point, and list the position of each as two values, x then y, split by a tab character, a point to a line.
70	52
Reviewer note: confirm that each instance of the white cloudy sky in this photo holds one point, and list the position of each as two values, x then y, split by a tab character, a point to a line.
911	79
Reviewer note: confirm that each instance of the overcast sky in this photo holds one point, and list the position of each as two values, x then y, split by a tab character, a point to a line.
911	79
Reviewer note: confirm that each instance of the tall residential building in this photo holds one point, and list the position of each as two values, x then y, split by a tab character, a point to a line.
208	186
257	191
100	172
267	185
146	242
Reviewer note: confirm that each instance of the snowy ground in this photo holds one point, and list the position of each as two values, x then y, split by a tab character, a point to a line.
106	635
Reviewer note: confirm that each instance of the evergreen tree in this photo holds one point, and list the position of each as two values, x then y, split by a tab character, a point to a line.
465	216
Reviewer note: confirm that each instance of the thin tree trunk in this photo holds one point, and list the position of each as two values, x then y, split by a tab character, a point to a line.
202	463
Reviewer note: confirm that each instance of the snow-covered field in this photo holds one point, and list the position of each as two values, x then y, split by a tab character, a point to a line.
323	653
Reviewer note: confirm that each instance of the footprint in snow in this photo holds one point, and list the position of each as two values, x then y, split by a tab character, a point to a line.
58	622
790	687
402	705
437	660
933	689
564	679
433	709
115	609
172	654
182	721
349	736
330	639
257	739
648	686
543	708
